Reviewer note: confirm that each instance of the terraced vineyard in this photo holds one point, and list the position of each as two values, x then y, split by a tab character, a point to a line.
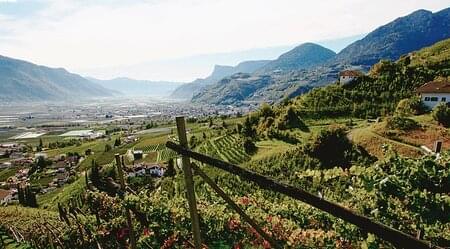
164	153
227	148
152	148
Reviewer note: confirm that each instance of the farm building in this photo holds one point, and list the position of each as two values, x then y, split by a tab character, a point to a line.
434	92
348	76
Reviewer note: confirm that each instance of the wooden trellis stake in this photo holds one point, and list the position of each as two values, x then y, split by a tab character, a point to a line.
120	163
190	193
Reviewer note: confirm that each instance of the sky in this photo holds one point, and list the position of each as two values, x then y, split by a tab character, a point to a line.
180	40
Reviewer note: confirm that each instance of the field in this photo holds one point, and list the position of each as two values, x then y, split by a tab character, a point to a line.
228	148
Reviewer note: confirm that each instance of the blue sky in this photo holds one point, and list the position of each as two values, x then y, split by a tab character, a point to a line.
181	39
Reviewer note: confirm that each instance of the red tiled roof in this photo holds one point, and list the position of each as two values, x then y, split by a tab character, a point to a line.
4	193
435	87
351	73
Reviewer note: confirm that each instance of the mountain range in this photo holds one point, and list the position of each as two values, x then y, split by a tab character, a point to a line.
132	87
27	82
292	73
310	65
187	91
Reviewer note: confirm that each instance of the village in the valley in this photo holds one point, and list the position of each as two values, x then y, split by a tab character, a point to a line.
35	146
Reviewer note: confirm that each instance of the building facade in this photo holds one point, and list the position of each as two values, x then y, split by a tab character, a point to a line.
434	92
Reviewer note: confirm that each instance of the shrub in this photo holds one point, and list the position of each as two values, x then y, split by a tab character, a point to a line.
401	123
410	106
331	147
290	120
441	114
249	146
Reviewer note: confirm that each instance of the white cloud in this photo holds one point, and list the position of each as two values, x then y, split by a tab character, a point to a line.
79	34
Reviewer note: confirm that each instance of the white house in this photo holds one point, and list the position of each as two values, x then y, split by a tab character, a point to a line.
434	92
6	196
156	170
348	76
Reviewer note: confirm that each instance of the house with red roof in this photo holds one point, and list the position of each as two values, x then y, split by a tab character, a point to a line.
348	76
434	92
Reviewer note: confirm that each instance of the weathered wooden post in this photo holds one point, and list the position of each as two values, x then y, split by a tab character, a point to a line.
120	163
437	146
190	193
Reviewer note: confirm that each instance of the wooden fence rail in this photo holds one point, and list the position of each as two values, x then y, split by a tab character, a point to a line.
396	237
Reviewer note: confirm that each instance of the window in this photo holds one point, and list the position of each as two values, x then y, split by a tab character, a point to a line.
427	98
434	99
444	99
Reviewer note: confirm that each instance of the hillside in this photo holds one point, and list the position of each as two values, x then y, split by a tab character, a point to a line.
132	87
186	91
309	65
25	81
379	92
419	29
304	56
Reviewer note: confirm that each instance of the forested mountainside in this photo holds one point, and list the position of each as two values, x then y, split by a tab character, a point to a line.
24	81
132	87
186	91
420	29
379	92
304	56
401	36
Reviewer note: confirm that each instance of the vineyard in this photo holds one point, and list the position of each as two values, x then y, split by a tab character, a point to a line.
228	148
163	154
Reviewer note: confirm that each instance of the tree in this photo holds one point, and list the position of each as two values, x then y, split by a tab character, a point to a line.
266	111
29	198
331	147
117	142
290	120
108	147
21	194
247	129
193	141
211	123
249	146
95	174
441	114
410	106
170	168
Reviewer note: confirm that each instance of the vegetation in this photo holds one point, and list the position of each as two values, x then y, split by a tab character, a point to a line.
441	114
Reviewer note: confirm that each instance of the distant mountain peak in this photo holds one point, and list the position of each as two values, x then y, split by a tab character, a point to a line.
24	81
304	56
419	29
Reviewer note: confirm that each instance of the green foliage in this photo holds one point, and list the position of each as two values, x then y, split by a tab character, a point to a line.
401	123
290	119
249	146
108	147
117	143
170	172
379	93
333	148
441	113
410	106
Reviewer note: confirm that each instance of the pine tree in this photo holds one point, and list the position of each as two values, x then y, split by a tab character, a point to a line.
170	168
21	195
95	174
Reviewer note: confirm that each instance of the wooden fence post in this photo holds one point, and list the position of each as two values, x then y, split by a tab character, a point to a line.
190	193
234	206
120	163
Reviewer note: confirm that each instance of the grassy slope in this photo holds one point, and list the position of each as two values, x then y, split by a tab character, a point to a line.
406	143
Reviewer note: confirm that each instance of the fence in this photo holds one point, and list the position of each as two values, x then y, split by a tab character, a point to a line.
396	237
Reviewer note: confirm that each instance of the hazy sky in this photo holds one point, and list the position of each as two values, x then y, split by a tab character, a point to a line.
107	38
